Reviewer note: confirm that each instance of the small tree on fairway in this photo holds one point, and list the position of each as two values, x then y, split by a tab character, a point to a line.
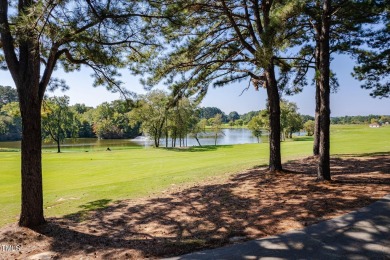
309	127
58	121
216	127
196	127
258	124
290	119
151	113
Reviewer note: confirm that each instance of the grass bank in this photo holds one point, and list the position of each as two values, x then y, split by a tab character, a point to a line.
75	178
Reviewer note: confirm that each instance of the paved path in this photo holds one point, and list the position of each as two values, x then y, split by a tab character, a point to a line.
363	234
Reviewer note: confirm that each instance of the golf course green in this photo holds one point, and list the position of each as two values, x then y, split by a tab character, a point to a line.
74	177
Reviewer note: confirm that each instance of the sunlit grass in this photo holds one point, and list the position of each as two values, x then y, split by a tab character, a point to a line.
76	177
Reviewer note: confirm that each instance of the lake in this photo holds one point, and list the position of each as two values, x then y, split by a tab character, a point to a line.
227	137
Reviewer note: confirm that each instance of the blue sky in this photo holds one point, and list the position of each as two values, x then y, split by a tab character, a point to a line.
349	100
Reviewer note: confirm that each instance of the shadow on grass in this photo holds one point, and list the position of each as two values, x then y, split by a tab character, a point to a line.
86	209
205	148
250	205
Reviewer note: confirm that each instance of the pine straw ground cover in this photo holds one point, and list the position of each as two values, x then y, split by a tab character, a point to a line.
250	204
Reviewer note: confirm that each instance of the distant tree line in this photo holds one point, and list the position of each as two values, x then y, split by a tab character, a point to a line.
109	120
370	119
154	115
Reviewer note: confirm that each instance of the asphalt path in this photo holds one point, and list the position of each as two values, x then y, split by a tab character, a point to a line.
362	234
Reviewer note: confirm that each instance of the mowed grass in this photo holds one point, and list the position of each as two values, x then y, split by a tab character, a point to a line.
74	179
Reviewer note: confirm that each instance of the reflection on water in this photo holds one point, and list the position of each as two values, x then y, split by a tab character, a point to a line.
229	136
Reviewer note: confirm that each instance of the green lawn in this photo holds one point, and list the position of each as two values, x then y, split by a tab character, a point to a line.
75	178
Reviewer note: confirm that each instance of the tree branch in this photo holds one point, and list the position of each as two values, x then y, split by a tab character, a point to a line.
50	65
250	27
236	29
7	42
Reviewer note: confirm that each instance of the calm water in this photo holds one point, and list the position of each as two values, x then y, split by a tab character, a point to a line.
229	136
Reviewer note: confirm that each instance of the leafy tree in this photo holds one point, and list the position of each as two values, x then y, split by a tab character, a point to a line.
216	126
374	121
233	116
196	126
112	121
84	120
40	36
80	108
7	95
203	123
258	124
151	113
290	119
10	122
58	121
306	118
210	112
308	126
239	122
187	112
248	116
180	118
384	119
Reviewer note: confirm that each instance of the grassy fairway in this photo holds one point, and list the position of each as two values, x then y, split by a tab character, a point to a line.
76	178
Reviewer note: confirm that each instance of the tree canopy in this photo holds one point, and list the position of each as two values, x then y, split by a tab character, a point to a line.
7	95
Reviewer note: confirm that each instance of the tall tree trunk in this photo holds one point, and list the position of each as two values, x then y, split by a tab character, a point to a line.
30	101
316	144
324	161
275	162
32	194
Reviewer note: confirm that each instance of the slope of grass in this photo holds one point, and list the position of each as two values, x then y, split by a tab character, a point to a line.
75	178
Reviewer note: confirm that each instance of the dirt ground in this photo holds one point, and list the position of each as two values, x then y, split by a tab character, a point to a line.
248	205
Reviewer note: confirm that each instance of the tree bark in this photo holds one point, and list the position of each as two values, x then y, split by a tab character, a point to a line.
32	195
316	144
275	162
30	101
324	151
